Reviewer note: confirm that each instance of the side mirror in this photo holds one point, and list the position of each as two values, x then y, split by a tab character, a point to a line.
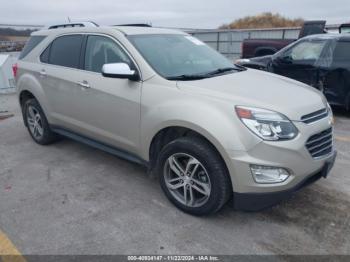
119	70
286	59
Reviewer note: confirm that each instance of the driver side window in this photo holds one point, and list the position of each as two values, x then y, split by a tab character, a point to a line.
102	50
309	50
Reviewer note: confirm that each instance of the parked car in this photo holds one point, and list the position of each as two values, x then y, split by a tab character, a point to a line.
344	28
322	61
209	129
262	47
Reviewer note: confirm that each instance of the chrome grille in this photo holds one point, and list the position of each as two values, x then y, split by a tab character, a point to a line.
321	144
315	116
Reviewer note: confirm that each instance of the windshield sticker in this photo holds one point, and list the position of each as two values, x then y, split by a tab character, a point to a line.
195	40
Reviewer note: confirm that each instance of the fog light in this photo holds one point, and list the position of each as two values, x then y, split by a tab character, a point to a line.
269	175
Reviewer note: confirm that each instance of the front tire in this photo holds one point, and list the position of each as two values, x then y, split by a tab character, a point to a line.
37	124
193	176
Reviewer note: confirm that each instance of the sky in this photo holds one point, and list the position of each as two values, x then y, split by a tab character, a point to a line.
166	13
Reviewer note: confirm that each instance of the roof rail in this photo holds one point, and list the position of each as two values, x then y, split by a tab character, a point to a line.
76	24
137	25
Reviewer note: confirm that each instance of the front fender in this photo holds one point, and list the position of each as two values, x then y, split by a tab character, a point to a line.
217	124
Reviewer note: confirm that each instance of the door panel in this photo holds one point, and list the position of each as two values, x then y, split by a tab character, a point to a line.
59	73
62	93
337	76
303	71
336	85
85	102
109	109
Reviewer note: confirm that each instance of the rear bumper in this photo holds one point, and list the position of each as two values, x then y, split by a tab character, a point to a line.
260	201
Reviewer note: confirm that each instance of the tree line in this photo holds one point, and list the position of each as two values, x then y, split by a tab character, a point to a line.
15	32
264	20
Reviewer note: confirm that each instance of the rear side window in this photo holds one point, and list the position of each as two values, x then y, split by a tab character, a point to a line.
45	55
65	51
31	44
342	52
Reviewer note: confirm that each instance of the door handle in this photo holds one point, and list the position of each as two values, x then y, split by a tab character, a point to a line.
43	73
84	84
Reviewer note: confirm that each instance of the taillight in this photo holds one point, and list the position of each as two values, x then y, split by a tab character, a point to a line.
14	70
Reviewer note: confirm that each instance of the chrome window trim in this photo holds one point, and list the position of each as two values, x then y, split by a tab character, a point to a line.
88	34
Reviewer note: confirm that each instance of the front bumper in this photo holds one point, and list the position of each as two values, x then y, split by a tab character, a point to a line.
259	201
292	155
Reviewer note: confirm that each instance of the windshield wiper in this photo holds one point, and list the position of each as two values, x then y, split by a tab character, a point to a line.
187	77
204	75
222	70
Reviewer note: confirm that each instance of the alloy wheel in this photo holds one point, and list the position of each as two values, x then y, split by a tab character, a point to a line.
35	122
187	180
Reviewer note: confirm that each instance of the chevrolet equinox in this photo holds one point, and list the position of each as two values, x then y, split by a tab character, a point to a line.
211	130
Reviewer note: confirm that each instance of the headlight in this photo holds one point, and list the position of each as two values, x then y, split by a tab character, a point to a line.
330	111
266	124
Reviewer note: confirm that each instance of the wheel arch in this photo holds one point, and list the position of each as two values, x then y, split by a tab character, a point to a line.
169	133
29	87
24	95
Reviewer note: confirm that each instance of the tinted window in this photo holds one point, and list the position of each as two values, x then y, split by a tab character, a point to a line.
306	50
103	50
45	55
30	45
312	28
65	51
342	52
326	58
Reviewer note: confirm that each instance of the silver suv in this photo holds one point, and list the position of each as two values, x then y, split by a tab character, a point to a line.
211	130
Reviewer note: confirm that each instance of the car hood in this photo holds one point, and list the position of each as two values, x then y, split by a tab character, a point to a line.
260	89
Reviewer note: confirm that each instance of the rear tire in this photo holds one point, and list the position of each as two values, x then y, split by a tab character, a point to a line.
193	176
37	124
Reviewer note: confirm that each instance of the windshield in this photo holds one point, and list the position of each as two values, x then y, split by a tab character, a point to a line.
177	57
